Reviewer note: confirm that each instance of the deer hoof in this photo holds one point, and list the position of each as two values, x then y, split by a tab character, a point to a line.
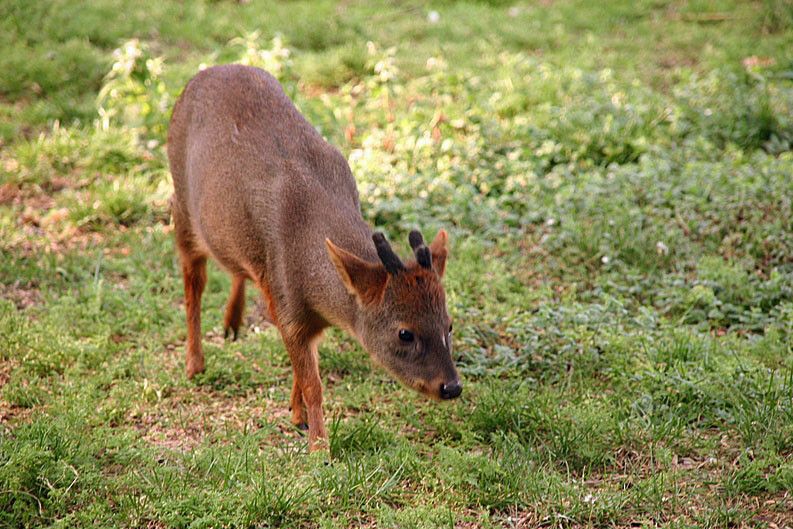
230	331
193	368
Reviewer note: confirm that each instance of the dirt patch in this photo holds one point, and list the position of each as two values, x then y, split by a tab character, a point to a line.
10	414
189	417
6	367
774	512
42	226
697	496
22	295
32	237
8	193
672	61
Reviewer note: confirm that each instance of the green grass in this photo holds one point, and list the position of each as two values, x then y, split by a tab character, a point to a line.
617	182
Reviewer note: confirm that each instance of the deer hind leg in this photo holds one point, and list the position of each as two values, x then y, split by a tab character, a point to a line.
194	274
299	417
307	390
235	307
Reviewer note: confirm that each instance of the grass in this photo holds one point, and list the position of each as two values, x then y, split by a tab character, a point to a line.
616	179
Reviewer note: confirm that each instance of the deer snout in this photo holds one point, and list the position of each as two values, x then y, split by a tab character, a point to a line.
451	390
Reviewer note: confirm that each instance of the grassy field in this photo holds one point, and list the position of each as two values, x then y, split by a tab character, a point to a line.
617	181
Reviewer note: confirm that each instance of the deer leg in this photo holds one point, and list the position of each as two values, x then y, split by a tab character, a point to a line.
305	364
306	399
299	417
235	307
194	272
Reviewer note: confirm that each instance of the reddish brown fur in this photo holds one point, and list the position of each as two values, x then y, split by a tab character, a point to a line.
366	281
268	298
236	306
419	288
257	189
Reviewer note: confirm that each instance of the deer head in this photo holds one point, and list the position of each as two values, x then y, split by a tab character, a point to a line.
403	322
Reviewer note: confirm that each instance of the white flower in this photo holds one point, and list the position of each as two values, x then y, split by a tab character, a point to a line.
605	259
433	17
436	63
661	248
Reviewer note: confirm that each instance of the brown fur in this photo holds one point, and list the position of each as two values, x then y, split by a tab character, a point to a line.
257	189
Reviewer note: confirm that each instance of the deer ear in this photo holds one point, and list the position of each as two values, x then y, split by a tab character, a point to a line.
365	280
439	252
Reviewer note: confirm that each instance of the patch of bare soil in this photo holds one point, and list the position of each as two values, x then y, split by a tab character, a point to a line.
40	225
10	414
773	512
697	492
8	193
22	295
43	231
190	416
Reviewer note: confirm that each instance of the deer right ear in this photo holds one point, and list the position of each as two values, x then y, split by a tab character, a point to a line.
366	281
440	251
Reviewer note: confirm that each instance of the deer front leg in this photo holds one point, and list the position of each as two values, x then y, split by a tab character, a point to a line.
307	390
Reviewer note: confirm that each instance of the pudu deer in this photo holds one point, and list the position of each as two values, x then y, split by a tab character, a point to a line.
259	190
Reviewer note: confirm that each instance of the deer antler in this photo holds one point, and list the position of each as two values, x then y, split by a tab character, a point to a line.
391	261
423	255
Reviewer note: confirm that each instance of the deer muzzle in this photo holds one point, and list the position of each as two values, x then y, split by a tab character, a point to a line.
451	390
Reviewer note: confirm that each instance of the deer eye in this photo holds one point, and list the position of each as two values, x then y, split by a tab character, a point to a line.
451	328
405	336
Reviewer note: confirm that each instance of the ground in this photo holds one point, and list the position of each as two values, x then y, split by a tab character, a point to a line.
616	181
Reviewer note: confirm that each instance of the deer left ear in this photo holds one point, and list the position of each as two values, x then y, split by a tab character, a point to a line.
366	281
439	251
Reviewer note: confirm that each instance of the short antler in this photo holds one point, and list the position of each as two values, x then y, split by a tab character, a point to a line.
391	261
423	255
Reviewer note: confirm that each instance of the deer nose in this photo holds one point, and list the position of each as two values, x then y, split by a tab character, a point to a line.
451	391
